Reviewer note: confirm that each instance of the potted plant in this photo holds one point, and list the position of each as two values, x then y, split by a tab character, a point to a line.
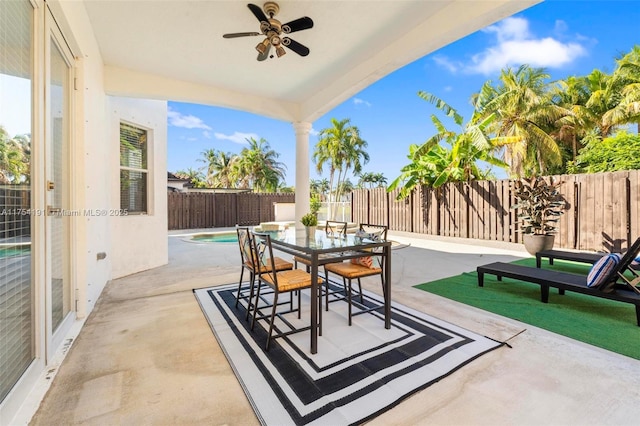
314	205
310	221
540	206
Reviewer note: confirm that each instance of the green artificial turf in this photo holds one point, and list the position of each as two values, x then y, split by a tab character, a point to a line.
608	324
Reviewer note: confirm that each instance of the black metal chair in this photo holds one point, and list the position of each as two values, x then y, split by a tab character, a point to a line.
249	262
333	229
364	266
287	281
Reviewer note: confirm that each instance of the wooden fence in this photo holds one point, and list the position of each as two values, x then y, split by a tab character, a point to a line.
207	210
602	210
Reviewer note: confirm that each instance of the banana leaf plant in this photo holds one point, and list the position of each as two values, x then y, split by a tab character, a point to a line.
539	205
434	164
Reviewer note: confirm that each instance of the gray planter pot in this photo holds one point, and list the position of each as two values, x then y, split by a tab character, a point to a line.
310	231
536	243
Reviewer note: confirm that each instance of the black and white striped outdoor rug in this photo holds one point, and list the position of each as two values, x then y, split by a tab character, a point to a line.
358	372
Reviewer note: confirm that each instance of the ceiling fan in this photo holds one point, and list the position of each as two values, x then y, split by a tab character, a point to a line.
275	32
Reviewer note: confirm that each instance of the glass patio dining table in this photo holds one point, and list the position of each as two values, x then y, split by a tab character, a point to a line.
322	249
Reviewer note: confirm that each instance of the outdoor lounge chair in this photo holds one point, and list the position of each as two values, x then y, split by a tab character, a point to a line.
625	291
580	257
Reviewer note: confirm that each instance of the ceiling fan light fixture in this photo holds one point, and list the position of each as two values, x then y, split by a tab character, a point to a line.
273	31
263	46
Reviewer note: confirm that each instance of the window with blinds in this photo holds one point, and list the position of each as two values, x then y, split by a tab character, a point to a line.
133	169
16	288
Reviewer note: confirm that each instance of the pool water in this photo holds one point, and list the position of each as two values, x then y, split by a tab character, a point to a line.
13	251
230	237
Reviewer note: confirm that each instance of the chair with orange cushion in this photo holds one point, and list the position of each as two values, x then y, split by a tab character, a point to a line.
332	229
248	262
287	281
361	267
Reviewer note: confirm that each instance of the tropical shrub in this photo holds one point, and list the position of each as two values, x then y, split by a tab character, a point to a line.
619	152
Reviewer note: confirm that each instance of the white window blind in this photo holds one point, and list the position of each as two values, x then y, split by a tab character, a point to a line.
16	291
133	169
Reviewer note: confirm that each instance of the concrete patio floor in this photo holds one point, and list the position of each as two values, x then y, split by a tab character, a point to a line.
146	355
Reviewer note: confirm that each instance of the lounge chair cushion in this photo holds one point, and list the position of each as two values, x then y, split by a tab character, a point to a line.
601	270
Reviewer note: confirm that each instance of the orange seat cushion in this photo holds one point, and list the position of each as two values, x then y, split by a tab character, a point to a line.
281	265
352	270
295	279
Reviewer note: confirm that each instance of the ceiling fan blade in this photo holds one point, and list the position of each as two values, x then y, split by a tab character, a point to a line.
235	35
265	55
300	49
299	24
258	13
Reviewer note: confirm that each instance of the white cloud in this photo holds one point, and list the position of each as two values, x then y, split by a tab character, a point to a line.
186	121
358	101
237	137
206	134
314	132
545	52
560	27
447	64
516	45
510	29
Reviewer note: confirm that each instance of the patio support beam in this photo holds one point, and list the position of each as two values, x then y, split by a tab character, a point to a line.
302	129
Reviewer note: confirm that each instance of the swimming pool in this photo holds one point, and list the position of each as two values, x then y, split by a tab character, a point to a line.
15	250
221	237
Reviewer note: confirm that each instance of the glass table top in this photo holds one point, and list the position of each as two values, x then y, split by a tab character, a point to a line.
297	238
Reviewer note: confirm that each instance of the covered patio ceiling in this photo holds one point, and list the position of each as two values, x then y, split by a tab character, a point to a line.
174	50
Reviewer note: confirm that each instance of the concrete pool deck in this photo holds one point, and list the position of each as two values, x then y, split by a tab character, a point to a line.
146	355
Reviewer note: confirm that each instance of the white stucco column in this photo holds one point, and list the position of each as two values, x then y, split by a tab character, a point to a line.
302	130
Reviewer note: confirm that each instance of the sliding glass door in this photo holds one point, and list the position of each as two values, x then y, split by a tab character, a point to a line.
17	310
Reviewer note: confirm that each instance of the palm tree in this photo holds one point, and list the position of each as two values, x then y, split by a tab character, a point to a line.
219	166
365	178
324	188
572	94
259	164
627	75
346	186
524	112
604	100
196	177
372	179
341	147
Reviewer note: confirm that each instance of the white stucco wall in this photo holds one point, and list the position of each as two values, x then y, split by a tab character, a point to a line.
139	242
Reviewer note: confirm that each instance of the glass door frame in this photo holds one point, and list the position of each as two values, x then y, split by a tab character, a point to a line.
54	338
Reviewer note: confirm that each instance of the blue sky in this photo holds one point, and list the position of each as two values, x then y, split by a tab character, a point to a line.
565	37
